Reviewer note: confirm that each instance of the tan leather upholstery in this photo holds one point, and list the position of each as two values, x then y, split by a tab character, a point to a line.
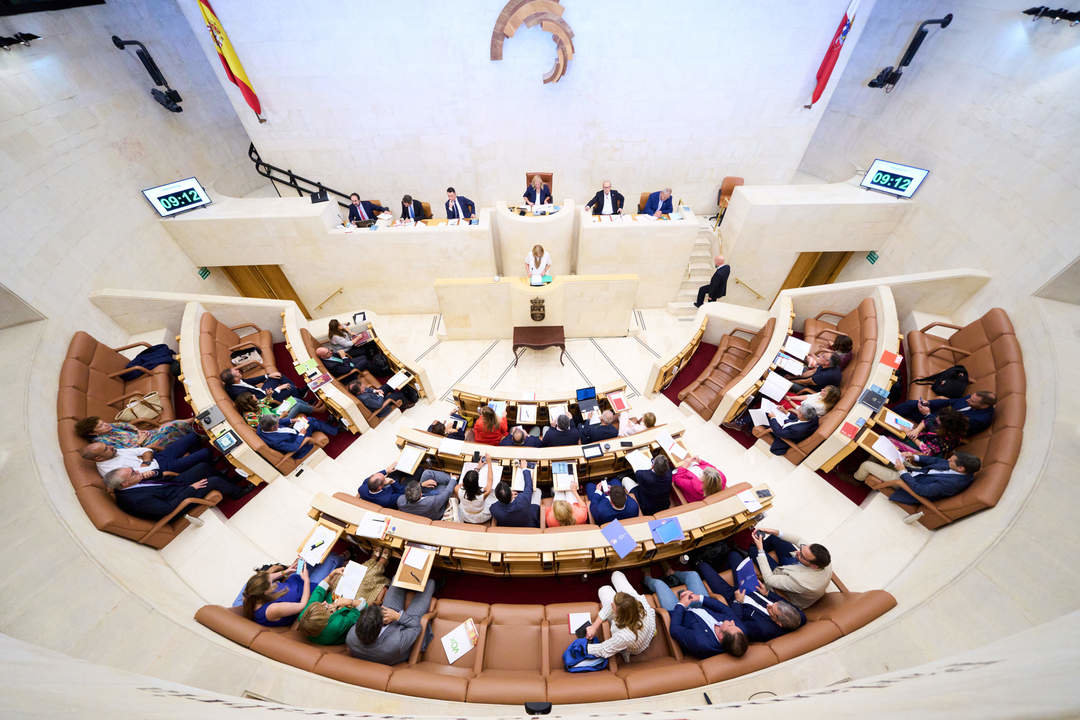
861	326
519	655
85	389
216	342
311	345
732	360
994	362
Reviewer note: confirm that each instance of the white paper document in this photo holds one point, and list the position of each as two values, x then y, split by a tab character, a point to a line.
315	547
577	620
349	582
664	440
772	408
400	379
373	526
450	446
416	557
759	417
697	470
775	386
887	450
639	459
749	500
796	348
557	409
460	640
526	414
789	364
517	483
410	457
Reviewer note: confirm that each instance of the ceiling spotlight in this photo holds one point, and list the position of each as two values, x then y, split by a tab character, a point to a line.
888	77
169	99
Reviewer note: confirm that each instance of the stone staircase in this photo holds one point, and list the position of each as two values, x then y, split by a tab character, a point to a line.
698	271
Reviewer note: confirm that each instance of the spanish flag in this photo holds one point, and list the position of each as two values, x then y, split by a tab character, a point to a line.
233	69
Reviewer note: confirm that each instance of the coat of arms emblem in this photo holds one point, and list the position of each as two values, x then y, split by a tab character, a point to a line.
536	309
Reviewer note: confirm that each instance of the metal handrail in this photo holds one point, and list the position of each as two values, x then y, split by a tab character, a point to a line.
759	295
288	177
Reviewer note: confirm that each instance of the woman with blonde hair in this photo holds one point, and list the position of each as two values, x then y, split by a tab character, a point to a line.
633	620
632	425
489	428
537	193
697	479
275	597
537	262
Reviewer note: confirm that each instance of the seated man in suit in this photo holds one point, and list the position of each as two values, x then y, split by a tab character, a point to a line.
340	363
562	432
653	491
703	626
272	384
281	435
804	571
383	488
796	427
380	400
149	495
606	201
412	209
517	509
360	211
827	372
177	456
931	477
458	206
386	633
603	430
764	613
616	505
538	193
519	438
438	485
978	407
717	287
453	428
659	203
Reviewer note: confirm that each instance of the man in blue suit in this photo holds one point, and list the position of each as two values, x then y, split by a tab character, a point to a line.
519	438
978	408
363	210
280	434
659	203
603	430
796	427
703	626
717	287
764	613
412	209
520	509
458	206
152	496
931	477
616	505
383	488
562	432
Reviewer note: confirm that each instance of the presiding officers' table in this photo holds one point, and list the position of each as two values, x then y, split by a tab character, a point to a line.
516	234
657	251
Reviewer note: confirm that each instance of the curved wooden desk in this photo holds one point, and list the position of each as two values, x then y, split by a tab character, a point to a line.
469	399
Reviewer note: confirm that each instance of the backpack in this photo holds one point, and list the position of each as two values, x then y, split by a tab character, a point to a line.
149	358
950	383
577	659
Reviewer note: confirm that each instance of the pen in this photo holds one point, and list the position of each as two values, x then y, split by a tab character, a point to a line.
414	577
318	544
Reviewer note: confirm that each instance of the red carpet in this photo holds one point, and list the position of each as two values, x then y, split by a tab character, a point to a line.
690	371
526	590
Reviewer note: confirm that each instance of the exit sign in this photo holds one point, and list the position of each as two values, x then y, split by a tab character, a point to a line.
204	273
871	257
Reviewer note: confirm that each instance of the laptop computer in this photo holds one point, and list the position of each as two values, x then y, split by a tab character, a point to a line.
586	399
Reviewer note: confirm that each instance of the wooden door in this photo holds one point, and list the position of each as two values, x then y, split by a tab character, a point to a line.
263	281
815	268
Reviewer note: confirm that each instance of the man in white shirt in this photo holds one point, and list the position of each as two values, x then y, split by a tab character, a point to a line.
176	457
607	201
804	571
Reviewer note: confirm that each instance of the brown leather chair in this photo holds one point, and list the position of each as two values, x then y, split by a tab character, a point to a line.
545	177
515	664
341	383
643	201
429	673
565	687
727	187
988	349
861	326
427	209
729	364
90	385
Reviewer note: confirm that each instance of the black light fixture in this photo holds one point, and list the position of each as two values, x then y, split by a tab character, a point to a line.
18	39
888	77
1042	11
170	99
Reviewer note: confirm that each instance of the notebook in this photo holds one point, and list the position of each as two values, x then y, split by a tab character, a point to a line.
349	582
618	402
526	414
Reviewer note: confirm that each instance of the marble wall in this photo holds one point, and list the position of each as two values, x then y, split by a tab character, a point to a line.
393	98
80	137
989	107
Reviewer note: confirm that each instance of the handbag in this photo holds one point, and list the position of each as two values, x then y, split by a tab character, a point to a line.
577	659
146	407
951	382
245	357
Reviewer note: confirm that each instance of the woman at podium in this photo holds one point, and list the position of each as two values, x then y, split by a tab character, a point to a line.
538	263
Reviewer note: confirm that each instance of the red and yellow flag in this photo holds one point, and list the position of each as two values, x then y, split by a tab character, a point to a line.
233	69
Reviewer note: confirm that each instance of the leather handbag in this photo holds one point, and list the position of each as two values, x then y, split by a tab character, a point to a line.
147	407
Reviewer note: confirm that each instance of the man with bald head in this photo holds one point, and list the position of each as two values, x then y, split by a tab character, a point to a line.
607	201
717	287
155	497
659	203
339	363
604	430
177	456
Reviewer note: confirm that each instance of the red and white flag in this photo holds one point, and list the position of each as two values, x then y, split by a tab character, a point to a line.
829	61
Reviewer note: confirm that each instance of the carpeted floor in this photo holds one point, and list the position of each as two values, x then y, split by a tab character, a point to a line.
690	371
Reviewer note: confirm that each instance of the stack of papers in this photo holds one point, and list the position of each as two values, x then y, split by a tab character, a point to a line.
400	379
373	525
639	459
789	364
775	386
349	582
410	457
750	500
760	416
458	642
666	530
796	348
450	446
526	414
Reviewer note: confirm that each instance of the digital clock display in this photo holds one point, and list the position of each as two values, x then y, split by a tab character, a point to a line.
177	197
893	178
